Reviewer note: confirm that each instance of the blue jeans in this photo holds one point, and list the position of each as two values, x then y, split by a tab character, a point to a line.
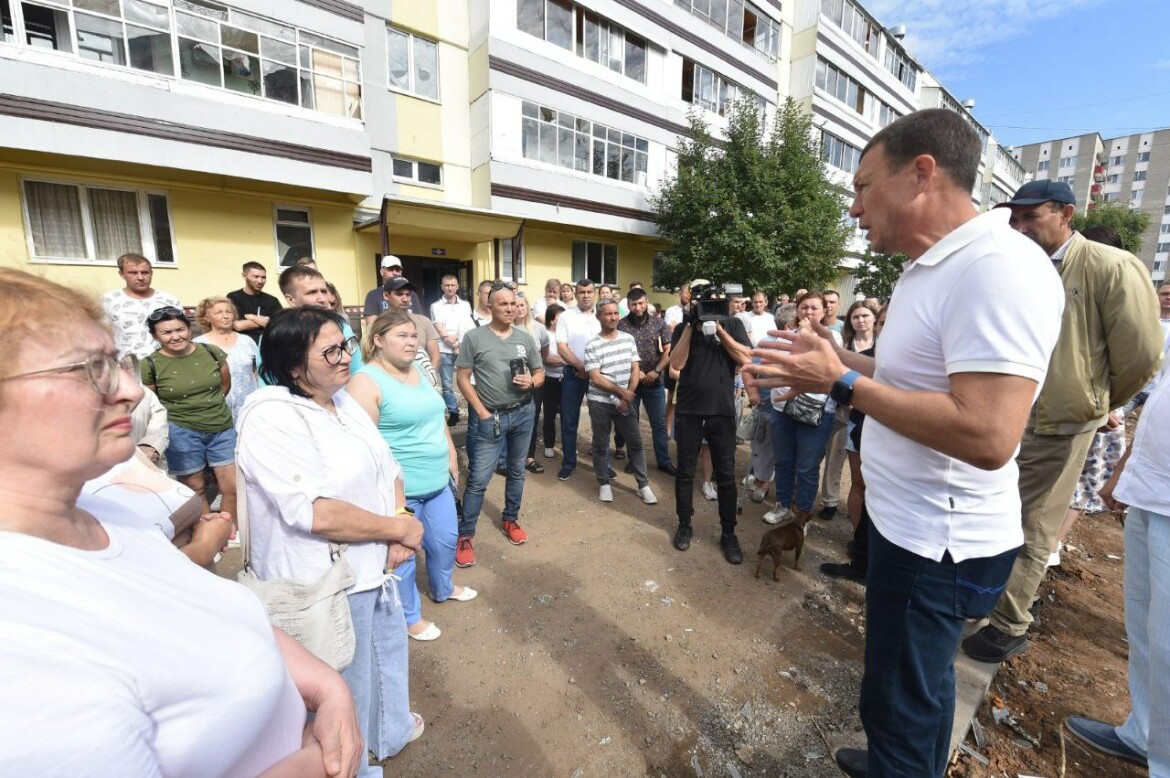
447	376
436	511
1147	627
799	449
573	391
654	398
190	451
915	611
508	430
377	676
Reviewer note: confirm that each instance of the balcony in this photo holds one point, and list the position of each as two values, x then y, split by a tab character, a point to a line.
1099	174
1095	192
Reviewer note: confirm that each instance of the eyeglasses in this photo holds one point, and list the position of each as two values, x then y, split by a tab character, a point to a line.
168	312
332	355
102	370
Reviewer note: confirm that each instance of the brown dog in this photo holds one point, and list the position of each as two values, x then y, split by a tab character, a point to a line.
788	536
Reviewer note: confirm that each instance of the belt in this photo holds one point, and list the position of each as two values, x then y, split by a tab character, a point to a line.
512	407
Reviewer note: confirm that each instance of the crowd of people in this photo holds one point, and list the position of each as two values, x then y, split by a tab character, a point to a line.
985	435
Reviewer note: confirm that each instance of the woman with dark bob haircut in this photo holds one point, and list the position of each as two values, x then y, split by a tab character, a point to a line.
316	471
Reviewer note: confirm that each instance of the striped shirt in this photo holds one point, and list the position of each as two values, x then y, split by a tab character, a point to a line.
614	358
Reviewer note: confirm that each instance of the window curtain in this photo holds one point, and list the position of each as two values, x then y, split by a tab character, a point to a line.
54	219
116	229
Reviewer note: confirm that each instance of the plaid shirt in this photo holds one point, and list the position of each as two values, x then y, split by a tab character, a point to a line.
650	338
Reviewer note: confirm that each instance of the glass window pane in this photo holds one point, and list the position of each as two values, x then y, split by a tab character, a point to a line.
290	215
613	160
642	144
579	267
547	114
270	48
548	144
235	38
326	63
609	275
100	39
403	168
47	28
599	130
54	220
592	38
197	27
627	140
735	18
641	163
280	82
107	7
583	125
292	243
593	261
530	141
307	91
149	14
398	53
160	226
150	50
353	101
329	45
329	95
426	68
530	17
614	50
202	9
560	23
430	174
581	152
241	72
636	58
114	215
566	120
599	158
264	26
200	62
351	70
719	14
529	109
628	165
565	145
614	136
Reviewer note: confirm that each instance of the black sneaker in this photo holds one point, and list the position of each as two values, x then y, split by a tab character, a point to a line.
629	468
827	513
682	537
669	469
731	550
452	419
991	645
847	571
619	453
854	762
564	473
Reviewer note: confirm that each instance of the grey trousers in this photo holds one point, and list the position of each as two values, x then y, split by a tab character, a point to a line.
604	416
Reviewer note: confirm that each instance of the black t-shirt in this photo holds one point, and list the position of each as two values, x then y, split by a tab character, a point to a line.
707	383
262	304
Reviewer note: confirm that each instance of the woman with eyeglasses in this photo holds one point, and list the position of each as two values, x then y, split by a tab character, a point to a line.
217	317
192	382
393	389
119	656
316	471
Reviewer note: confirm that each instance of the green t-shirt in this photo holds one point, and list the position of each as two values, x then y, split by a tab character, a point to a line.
189	387
488	355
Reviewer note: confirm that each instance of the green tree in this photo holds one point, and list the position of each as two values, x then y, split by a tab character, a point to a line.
1129	223
877	274
756	209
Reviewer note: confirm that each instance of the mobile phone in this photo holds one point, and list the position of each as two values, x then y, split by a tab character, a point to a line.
518	366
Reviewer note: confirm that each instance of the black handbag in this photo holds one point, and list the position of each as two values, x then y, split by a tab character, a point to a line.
806	409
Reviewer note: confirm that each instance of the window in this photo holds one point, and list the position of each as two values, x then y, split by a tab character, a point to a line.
901	67
550	20
1162	247
1117	160
1164	229
1070	180
511	266
1143	156
562	139
739	20
294	235
1112	178
1112	197
1139	175
708	89
1068	162
86	223
414	63
1044	165
854	23
595	261
607	44
838	153
1166	210
885	114
417	171
842	86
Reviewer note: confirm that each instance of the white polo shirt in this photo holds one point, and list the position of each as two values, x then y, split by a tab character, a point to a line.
576	328
984	299
1147	472
455	318
757	325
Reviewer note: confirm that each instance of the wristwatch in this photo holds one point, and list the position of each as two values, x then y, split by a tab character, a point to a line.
842	390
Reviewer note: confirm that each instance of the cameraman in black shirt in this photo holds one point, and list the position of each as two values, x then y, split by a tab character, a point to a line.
706	350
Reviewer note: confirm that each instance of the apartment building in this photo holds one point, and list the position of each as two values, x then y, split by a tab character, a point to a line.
1131	169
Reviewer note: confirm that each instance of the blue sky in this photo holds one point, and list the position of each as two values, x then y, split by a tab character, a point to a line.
1043	69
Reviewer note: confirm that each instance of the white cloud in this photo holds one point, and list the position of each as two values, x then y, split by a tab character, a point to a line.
944	33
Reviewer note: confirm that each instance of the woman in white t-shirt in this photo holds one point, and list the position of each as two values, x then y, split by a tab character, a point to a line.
317	471
540	334
117	655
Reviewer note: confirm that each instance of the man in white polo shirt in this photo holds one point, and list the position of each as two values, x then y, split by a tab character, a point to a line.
452	317
946	402
575	327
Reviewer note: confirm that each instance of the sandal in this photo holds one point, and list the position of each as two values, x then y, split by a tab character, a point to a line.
534	467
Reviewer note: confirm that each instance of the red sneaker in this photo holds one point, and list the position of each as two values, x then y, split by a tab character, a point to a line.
515	535
464	553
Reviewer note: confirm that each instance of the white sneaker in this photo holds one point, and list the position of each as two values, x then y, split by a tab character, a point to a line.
605	493
549	453
709	491
647	495
759	493
749	481
777	514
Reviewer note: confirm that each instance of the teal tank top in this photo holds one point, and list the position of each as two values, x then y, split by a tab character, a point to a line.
413	422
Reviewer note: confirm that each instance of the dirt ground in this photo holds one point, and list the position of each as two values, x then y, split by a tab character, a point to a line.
596	649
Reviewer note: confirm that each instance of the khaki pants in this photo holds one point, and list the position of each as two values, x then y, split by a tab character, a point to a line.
834	461
1049	468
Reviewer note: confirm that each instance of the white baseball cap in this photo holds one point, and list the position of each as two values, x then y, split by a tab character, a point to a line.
391	261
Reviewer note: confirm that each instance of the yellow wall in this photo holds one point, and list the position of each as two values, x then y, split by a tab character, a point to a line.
549	255
216	231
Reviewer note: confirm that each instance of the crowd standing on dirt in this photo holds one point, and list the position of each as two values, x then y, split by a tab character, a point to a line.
990	390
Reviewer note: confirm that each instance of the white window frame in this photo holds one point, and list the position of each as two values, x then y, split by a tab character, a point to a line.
413	179
145	226
276	223
412	87
617	258
504	248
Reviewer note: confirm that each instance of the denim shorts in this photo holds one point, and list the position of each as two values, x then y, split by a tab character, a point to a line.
190	451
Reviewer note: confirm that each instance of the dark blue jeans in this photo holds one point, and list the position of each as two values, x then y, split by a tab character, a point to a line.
654	398
915	611
507	430
799	449
573	391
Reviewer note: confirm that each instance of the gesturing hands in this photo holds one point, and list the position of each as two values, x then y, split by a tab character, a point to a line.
803	360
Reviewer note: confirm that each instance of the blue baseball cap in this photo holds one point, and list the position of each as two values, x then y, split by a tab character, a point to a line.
1036	192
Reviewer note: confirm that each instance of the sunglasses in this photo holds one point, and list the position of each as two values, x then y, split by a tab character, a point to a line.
168	312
